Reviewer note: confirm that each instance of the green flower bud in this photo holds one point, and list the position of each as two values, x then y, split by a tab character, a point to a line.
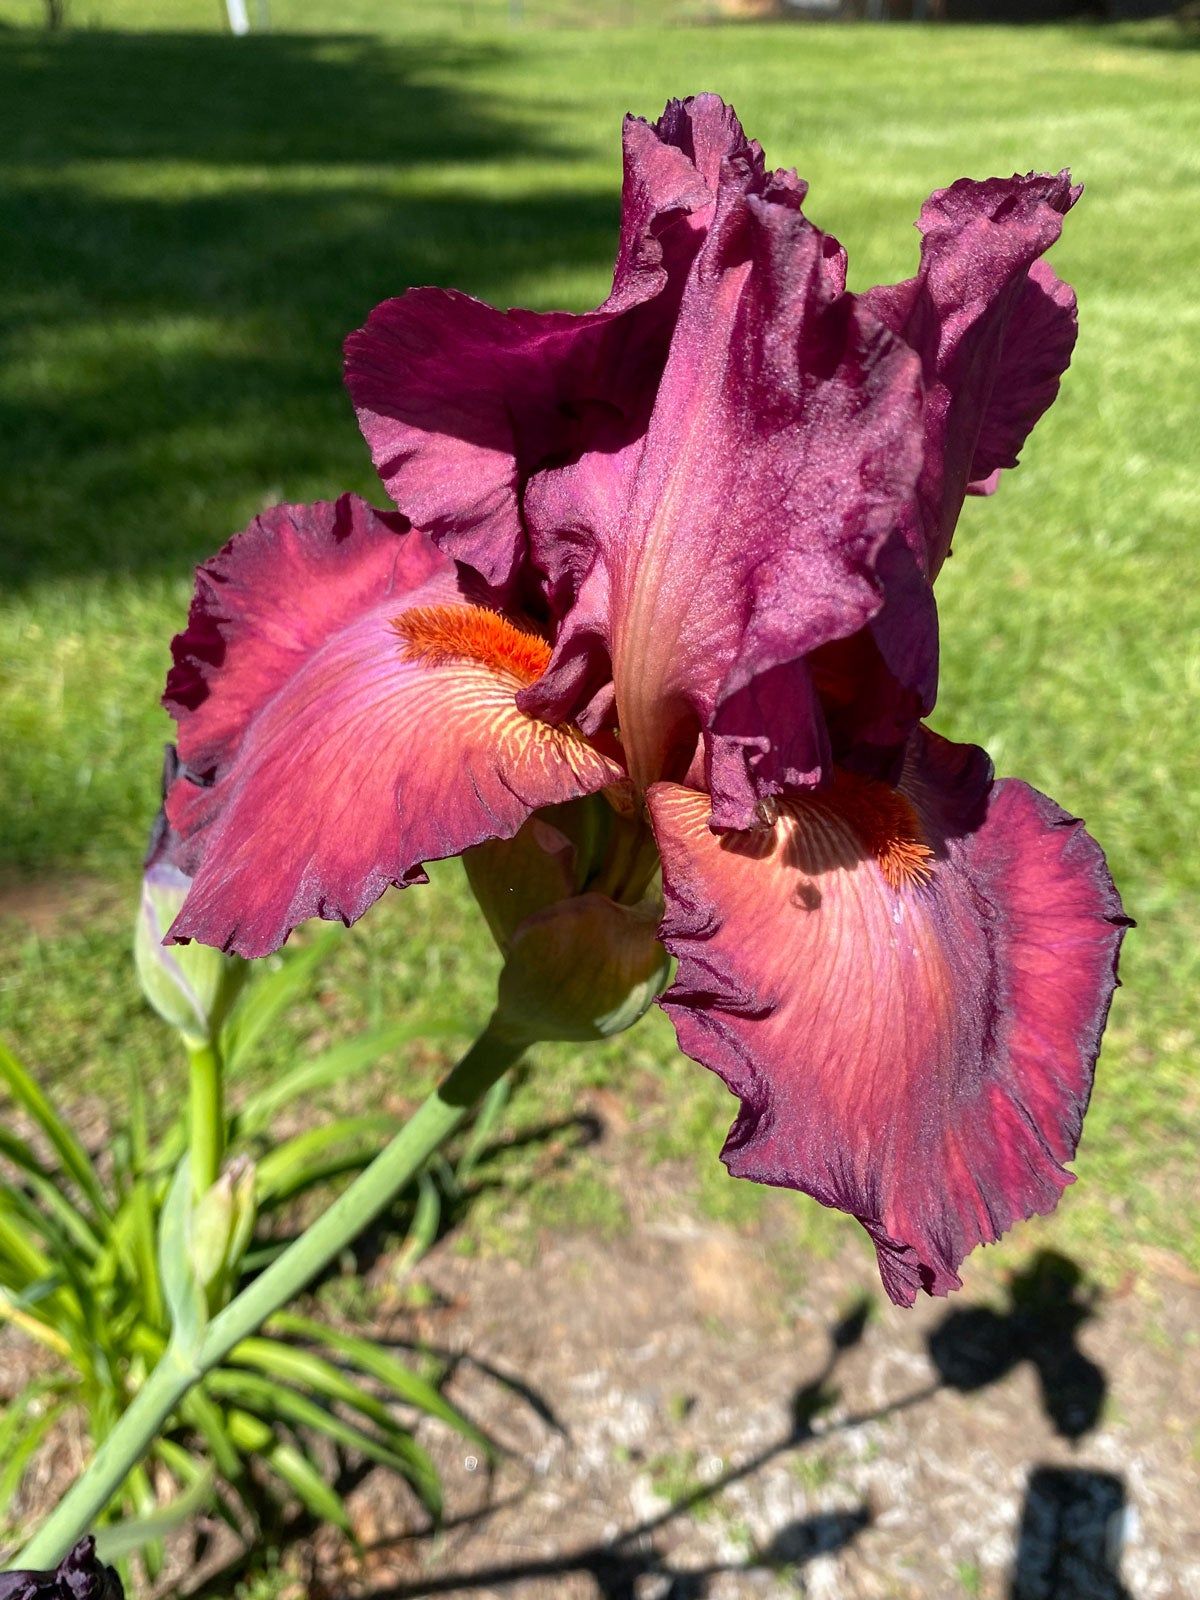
585	968
571	900
550	859
222	1223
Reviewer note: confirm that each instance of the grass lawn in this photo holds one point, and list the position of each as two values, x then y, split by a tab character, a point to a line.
193	223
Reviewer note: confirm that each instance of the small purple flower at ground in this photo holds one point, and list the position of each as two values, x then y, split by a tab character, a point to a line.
679	552
78	1576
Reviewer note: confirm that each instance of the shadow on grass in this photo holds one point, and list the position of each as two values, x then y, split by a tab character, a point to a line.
195	223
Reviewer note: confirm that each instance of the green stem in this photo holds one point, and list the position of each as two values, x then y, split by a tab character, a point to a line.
179	1371
206	1103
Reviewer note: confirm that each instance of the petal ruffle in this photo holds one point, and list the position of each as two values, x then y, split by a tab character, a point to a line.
459	402
907	992
324	760
994	335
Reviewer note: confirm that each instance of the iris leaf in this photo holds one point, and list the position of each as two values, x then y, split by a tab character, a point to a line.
306	1483
26	1092
148	1530
41	1181
399	1452
385	1368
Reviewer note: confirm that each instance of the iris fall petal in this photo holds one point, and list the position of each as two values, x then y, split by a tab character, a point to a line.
905	989
325	757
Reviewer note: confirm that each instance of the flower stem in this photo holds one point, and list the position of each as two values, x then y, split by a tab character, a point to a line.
179	1371
206	1117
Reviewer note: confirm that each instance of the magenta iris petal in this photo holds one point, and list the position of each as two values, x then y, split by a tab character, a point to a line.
323	764
1037	348
994	335
906	993
741	533
459	402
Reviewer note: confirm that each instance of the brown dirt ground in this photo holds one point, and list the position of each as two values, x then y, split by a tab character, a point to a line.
690	1430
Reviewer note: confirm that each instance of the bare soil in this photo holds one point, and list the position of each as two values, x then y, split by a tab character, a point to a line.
676	1422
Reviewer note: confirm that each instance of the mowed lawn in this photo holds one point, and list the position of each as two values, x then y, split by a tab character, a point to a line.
191	225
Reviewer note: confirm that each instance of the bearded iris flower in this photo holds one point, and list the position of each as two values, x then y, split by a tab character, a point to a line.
678	553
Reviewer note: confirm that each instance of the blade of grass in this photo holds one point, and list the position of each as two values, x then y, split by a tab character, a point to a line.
268	994
286	1169
423	1230
486	1121
24	1448
335	1065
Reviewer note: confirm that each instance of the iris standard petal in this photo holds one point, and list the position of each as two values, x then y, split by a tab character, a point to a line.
906	989
458	402
344	714
741	534
1036	351
994	336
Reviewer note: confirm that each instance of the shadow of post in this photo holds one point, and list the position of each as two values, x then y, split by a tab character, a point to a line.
1072	1529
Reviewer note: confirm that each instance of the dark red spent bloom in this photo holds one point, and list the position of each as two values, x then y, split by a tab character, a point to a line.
679	552
78	1576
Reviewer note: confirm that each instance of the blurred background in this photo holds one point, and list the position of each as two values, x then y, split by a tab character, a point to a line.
695	1385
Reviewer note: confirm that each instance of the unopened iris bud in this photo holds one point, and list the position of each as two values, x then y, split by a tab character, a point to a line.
551	858
222	1225
190	986
585	968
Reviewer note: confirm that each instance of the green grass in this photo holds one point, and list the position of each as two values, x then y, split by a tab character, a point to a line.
193	223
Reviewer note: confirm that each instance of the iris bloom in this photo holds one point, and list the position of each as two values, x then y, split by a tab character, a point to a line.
679	552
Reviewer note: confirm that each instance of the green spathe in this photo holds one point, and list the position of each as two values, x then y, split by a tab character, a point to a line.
190	985
571	902
583	969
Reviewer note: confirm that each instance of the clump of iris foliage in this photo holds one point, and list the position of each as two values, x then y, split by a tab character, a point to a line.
98	1259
